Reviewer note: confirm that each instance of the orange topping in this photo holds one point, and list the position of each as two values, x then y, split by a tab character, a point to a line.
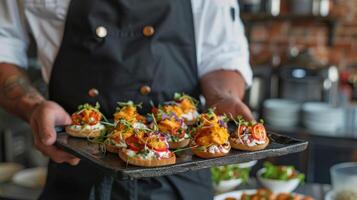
187	105
168	126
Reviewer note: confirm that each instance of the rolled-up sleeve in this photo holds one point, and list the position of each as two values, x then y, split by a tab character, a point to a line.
13	34
220	38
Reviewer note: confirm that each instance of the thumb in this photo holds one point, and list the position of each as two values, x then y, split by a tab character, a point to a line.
245	112
56	115
63	118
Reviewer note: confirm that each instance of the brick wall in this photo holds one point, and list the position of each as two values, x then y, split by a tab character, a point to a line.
274	37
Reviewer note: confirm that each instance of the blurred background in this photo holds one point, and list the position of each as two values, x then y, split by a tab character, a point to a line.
304	58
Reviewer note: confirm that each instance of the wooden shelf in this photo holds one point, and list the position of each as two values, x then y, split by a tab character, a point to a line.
330	21
287	17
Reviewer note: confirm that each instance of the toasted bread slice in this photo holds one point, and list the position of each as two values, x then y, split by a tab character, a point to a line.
112	149
244	147
206	154
83	133
180	144
146	162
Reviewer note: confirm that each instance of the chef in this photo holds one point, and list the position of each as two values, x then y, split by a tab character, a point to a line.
117	50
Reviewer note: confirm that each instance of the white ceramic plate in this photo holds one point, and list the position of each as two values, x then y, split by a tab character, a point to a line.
331	195
282	104
228	185
33	177
235	194
7	170
249	164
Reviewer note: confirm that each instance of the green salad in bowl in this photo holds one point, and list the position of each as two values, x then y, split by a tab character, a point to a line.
280	178
228	177
281	172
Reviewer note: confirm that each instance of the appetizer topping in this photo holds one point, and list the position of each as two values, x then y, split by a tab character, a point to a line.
281	172
128	112
148	145
87	115
173	127
211	134
124	130
211	129
187	103
183	106
171	108
249	133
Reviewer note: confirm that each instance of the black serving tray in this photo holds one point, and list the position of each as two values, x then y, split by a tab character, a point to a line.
111	163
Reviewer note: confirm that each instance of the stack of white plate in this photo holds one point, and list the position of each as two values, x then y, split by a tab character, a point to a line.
281	112
322	117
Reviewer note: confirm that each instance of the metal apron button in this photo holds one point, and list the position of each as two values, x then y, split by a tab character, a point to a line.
148	31
144	90
101	31
93	92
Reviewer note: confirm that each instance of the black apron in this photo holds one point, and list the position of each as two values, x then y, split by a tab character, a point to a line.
117	47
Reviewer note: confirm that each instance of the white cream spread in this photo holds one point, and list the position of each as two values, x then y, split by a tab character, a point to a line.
224	148
121	144
170	138
150	154
248	140
139	125
190	116
98	126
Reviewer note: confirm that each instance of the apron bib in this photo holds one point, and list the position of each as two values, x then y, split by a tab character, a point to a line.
140	50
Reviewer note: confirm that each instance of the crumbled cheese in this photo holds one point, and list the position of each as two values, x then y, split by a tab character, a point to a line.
218	148
248	140
190	116
139	125
150	154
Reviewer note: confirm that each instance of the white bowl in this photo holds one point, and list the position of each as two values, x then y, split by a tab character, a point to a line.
224	186
278	186
249	164
320	109
32	178
282	105
7	170
282	122
236	194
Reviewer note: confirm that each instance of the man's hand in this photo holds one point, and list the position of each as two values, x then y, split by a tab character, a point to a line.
18	97
43	120
224	91
233	107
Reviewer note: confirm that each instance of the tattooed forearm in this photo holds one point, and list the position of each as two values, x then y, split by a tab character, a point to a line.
17	95
17	87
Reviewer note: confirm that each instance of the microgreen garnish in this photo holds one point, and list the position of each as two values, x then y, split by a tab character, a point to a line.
184	149
239	120
128	103
95	108
181	96
155	126
108	124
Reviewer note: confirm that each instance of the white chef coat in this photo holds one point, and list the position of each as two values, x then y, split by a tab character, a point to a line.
220	40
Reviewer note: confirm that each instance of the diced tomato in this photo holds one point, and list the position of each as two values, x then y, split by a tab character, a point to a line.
133	143
76	119
242	129
154	110
259	132
160	149
94	118
182	134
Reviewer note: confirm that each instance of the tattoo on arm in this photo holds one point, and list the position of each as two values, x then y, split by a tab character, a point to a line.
16	87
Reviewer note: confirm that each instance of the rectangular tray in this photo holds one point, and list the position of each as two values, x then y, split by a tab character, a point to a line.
279	145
